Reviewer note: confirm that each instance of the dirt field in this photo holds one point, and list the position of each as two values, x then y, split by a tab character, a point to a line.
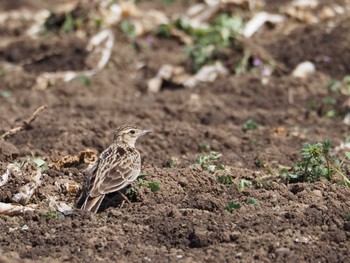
186	220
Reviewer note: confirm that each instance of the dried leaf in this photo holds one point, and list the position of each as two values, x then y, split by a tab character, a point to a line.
84	157
11	209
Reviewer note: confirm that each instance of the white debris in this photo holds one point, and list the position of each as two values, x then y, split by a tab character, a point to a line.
208	73
304	69
26	191
11	209
59	206
305	3
347	120
100	45
258	20
5	178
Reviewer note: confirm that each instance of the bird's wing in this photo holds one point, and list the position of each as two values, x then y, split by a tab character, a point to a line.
116	169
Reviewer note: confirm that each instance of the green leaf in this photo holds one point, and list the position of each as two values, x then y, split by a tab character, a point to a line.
334	86
252	201
5	94
51	214
84	80
154	186
68	25
224	179
243	183
41	164
232	206
250	125
128	28
347	154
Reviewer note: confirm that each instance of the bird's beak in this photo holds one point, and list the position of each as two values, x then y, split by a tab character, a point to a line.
144	132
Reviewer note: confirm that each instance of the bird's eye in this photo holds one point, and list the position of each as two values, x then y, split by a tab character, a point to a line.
132	131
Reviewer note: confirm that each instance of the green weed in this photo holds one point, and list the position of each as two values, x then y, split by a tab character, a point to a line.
252	201
207	161
50	214
84	80
128	28
232	206
154	186
316	163
250	125
224	179
243	183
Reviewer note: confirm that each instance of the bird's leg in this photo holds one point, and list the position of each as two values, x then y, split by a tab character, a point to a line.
125	198
113	199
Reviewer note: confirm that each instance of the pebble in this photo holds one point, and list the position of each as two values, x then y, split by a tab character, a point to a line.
317	193
282	251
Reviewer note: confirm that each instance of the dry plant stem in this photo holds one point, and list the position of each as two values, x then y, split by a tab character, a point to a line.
25	125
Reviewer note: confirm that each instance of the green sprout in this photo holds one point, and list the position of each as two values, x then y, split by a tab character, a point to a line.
172	163
243	183
128	28
258	162
204	147
84	80
50	214
232	206
154	186
252	201
206	161
250	125
68	25
224	179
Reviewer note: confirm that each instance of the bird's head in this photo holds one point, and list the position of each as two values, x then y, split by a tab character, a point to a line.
128	134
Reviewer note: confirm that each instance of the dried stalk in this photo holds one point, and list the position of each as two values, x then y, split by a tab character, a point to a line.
25	125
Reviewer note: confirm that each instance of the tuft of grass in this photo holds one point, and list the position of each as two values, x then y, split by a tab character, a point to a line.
128	28
171	164
50	214
85	81
68	25
252	201
250	125
258	162
154	186
232	206
347	218
224	179
204	147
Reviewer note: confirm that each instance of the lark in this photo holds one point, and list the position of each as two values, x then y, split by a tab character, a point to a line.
116	168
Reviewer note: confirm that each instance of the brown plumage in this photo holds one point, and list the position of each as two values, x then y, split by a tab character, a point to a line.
117	167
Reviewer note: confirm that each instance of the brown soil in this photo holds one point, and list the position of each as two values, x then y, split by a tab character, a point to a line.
185	221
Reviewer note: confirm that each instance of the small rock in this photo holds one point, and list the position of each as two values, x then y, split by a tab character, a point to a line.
325	228
282	251
317	193
304	69
183	181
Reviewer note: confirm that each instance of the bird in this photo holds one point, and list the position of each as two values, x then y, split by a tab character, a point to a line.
116	168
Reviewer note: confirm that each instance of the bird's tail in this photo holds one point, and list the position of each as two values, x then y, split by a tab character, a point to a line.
92	203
